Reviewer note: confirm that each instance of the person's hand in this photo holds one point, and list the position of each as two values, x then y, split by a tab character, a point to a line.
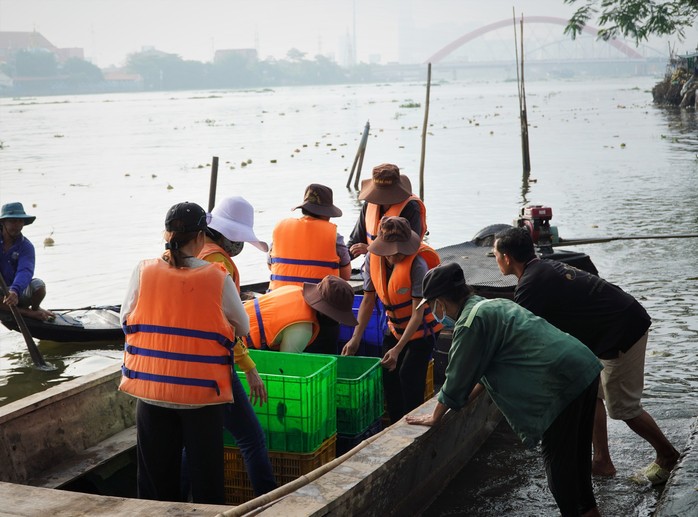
427	420
389	360
257	390
11	299
351	346
359	248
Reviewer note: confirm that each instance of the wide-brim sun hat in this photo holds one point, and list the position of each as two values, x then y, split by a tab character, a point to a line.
441	280
233	218
333	297
16	211
318	201
395	236
386	186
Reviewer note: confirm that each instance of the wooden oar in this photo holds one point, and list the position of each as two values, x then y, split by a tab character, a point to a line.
594	240
33	349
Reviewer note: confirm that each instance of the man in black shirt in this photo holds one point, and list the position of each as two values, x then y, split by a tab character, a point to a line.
610	322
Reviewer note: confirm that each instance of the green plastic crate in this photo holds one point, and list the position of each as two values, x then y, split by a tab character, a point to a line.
359	393
301	412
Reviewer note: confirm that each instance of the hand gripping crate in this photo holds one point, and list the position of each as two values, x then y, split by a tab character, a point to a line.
359	393
301	412
287	466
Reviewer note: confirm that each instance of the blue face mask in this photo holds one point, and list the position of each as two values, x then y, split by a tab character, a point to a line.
445	319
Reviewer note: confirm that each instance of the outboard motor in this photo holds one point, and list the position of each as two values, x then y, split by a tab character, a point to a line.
536	219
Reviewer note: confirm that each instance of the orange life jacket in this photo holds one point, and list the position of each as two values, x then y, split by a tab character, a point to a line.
396	292
274	311
178	341
373	216
303	250
211	248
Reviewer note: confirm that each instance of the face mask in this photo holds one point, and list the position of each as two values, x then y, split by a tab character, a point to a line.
445	320
230	247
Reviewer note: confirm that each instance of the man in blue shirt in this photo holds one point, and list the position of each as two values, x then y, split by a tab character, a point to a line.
17	260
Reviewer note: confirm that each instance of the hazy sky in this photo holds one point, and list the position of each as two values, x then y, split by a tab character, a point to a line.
108	30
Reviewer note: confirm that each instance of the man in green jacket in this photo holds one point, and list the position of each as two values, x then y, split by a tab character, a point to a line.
543	380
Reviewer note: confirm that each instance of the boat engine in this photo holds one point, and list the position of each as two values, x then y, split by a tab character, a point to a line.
536	219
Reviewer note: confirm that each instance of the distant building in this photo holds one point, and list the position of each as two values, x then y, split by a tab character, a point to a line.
248	54
13	42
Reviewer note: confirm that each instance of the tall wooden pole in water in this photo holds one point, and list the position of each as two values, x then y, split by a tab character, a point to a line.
212	186
523	117
424	135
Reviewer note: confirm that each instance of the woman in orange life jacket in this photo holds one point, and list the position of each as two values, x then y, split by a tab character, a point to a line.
307	250
288	318
180	316
387	193
395	266
231	225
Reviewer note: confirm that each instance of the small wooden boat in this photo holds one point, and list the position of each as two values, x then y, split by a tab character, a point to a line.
96	323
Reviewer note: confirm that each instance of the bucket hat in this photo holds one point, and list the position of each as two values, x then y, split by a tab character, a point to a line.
386	186
16	211
318	201
333	297
186	217
395	236
233	218
440	280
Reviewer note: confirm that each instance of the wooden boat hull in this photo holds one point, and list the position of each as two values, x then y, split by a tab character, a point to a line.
73	326
49	438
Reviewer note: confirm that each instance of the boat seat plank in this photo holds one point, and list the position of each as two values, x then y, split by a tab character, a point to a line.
87	460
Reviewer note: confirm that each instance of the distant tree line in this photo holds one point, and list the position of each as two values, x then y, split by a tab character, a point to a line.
39	72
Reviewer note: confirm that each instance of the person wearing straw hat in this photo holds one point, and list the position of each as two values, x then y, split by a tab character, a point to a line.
180	316
287	319
394	268
543	380
387	193
230	226
309	248
17	261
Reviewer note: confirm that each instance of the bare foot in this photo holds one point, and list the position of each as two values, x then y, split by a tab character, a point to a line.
605	469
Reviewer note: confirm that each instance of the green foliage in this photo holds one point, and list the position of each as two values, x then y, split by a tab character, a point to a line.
81	71
35	63
637	19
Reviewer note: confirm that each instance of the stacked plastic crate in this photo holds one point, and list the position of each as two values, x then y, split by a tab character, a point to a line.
359	400
299	419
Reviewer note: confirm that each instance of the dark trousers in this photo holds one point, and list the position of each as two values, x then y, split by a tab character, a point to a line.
161	435
327	338
566	447
242	422
404	386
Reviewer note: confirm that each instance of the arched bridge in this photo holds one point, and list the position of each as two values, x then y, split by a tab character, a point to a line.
445	51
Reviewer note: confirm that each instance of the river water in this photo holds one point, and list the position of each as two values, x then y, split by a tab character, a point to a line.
100	171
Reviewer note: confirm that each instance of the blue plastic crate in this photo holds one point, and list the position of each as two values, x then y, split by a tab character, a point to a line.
372	340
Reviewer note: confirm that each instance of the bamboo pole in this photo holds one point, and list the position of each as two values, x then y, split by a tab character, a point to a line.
359	158
524	114
424	135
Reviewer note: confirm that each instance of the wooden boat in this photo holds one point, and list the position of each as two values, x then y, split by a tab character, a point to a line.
76	436
96	323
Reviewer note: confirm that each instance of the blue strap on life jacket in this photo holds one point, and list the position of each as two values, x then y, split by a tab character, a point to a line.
286	278
177	331
262	335
370	236
169	379
393	308
175	356
304	262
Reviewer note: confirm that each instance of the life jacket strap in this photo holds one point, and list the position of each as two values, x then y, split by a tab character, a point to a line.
178	331
169	379
304	262
175	356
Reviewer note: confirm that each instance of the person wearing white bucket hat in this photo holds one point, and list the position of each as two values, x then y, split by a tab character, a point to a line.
230	226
